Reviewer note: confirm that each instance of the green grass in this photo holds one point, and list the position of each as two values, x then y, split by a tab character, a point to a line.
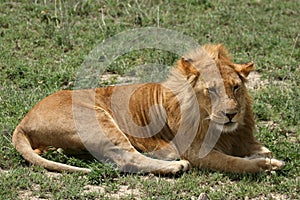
43	44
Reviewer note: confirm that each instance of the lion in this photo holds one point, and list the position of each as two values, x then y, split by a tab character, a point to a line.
200	116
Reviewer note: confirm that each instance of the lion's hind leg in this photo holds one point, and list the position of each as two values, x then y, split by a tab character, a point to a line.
116	147
167	152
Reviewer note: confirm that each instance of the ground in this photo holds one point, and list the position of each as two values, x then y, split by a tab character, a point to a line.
44	43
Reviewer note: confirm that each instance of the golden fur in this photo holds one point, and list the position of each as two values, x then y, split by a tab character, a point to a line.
201	116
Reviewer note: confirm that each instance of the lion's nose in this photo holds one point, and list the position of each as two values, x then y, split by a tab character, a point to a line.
231	115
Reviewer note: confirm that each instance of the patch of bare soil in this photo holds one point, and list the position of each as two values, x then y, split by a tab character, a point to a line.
255	83
2	171
116	79
123	191
254	80
269	196
29	194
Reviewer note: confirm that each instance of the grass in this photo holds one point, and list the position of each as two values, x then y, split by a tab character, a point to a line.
43	44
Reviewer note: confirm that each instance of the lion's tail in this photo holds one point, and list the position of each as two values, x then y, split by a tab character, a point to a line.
22	144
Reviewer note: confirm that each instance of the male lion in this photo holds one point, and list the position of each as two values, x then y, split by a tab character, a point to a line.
201	116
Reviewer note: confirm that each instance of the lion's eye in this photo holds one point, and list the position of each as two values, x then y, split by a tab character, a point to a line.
212	90
236	88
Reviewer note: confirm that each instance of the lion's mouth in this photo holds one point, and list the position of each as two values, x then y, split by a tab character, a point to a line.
226	127
224	124
230	123
230	126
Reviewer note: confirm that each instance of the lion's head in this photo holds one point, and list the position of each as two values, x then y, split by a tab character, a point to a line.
219	85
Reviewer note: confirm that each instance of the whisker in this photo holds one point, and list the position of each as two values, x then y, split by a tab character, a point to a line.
206	118
213	116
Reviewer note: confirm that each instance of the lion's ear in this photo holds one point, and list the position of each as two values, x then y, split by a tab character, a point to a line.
245	69
186	68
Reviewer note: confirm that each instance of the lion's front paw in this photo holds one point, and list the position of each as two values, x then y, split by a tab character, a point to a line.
269	164
176	167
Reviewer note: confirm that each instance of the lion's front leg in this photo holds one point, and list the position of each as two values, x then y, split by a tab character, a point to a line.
250	148
255	150
219	161
260	152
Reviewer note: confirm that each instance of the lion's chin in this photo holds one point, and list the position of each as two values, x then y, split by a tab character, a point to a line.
227	127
